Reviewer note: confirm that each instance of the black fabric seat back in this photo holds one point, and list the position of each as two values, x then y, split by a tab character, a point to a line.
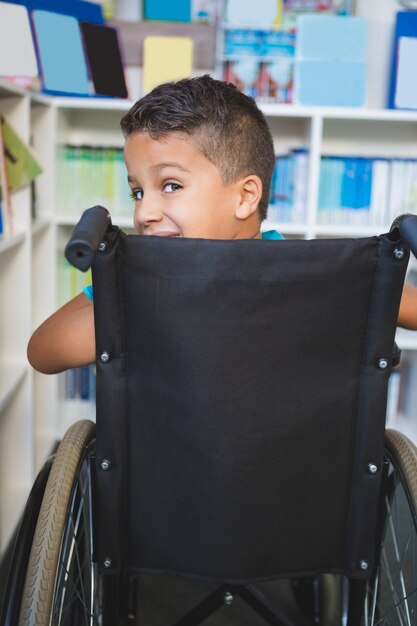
241	394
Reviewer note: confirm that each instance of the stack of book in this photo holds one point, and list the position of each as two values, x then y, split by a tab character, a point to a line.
288	201
89	175
366	191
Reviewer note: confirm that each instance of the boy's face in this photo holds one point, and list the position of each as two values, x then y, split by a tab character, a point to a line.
178	192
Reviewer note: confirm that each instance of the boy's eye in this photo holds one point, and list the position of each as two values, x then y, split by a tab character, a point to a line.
170	187
137	194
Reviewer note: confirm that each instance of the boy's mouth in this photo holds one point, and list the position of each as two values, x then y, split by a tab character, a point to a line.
165	233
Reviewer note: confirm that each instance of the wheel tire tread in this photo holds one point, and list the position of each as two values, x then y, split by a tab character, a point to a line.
41	573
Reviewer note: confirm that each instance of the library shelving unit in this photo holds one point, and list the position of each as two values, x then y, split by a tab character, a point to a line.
34	411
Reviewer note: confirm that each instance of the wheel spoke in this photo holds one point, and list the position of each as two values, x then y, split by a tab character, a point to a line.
392	592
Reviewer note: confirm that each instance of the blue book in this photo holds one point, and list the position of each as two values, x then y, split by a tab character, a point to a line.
405	26
80	9
365	183
242	41
330	83
332	38
61	59
84	383
70	384
324	183
273	183
167	10
348	196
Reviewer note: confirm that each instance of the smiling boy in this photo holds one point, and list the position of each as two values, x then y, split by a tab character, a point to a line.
200	157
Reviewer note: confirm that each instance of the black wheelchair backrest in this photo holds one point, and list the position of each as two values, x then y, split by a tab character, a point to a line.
241	395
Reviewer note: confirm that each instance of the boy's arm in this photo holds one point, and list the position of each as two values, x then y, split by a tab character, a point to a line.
66	339
407	317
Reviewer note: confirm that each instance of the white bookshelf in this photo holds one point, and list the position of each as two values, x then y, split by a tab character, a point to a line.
33	413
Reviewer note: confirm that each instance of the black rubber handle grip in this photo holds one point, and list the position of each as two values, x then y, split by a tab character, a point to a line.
87	236
407	226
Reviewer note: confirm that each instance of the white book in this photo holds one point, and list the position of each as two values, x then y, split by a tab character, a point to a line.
300	186
396	189
379	192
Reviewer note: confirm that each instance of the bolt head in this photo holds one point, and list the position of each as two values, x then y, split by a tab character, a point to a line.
383	364
107	563
228	598
364	565
104	357
399	254
372	468
105	465
102	247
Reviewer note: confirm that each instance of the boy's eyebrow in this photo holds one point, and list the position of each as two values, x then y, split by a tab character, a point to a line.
160	166
178	166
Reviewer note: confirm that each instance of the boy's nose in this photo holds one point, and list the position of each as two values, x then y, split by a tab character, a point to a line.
145	214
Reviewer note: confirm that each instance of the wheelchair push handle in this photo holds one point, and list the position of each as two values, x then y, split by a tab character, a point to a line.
87	236
406	227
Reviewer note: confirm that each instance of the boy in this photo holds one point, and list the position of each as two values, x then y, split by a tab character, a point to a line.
200	157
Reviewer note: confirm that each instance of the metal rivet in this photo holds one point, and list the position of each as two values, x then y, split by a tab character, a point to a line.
104	357
228	598
383	364
105	465
399	254
107	563
102	247
364	565
372	468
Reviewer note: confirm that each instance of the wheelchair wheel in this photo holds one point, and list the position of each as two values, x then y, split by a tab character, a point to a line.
62	587
391	596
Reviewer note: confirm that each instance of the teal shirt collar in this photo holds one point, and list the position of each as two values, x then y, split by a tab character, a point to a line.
271	235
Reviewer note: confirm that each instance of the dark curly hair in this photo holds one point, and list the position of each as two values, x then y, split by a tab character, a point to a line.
226	125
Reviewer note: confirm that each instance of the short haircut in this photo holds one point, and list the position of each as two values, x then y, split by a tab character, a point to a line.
226	125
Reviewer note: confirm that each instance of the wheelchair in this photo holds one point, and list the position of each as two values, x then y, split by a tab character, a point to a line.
239	439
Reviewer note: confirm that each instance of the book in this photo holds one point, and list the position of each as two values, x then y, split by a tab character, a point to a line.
104	59
288	198
5	196
332	37
166	10
22	166
165	59
330	83
379	192
405	27
60	52
90	175
405	96
331	60
17	50
80	9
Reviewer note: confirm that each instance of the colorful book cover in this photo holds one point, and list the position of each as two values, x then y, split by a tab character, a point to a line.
166	10
5	196
22	167
166	59
243	42
104	59
405	27
379	192
17	50
60	53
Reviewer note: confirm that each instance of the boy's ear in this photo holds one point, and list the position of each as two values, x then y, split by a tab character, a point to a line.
250	193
